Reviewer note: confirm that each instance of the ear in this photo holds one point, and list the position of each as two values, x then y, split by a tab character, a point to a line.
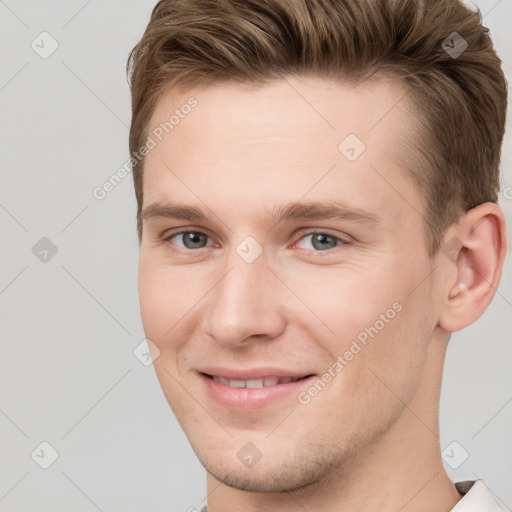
477	248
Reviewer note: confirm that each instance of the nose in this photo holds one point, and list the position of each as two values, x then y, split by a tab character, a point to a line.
244	304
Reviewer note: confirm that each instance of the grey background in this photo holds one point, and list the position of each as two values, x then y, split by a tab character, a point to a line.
69	325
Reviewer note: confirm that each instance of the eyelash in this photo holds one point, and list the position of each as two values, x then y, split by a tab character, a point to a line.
341	241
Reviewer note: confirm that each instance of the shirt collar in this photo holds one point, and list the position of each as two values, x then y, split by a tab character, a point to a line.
476	497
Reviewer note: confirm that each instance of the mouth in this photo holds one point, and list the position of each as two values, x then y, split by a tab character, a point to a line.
253	390
267	381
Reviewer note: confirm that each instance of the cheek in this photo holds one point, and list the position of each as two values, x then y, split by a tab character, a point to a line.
171	300
347	301
164	298
392	362
152	297
374	324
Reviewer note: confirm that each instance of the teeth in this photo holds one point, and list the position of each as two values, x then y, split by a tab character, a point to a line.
270	381
254	383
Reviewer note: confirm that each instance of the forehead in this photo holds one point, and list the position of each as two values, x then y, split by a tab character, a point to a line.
295	106
283	141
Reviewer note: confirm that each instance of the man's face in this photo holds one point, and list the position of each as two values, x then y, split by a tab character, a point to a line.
243	295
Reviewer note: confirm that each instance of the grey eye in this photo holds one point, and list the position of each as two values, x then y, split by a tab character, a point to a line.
192	239
321	241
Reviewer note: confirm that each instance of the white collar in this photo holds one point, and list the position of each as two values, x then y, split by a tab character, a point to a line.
476	498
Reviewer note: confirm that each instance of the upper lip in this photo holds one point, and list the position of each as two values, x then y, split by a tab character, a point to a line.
251	373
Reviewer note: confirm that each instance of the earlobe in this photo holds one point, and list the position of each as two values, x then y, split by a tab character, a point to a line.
478	262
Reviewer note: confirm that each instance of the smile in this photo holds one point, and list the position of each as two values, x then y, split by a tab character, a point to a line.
255	392
255	383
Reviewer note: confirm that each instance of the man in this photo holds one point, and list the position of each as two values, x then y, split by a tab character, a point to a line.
317	185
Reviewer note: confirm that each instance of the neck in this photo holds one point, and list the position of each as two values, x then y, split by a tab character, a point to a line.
401	471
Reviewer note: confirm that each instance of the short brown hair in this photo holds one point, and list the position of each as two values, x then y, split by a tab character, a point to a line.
460	100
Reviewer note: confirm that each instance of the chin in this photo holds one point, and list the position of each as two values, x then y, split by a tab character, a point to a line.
279	473
264	481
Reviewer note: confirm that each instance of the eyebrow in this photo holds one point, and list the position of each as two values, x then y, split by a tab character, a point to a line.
315	210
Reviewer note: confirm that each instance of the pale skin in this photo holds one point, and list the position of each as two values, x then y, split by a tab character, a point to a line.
370	439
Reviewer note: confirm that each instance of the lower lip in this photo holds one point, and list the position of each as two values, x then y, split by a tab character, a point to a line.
248	399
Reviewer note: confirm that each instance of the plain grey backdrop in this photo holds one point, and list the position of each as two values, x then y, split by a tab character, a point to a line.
84	424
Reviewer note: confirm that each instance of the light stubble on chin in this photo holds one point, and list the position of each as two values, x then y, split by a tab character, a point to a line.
313	462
